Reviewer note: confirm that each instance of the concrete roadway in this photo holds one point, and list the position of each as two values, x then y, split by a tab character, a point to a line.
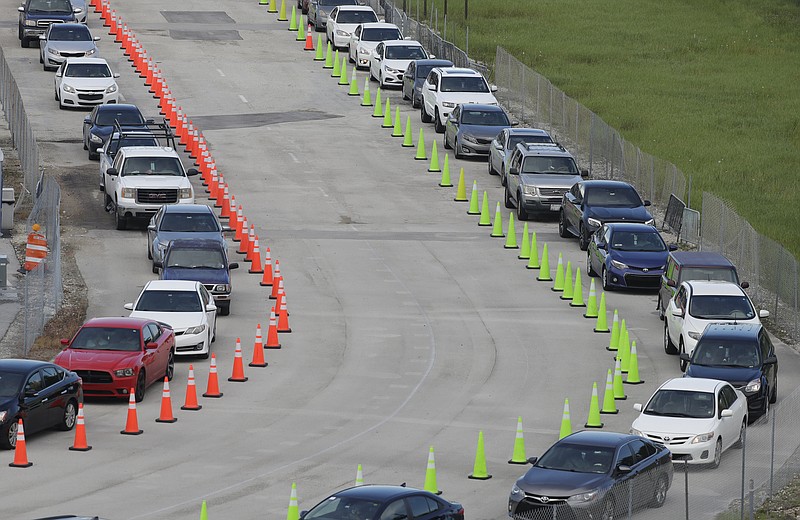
411	326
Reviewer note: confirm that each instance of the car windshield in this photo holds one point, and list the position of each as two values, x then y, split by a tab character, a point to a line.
70	34
361	16
638	241
715	353
577	458
716	307
380	34
169	301
196	259
50	6
709	273
123	117
514	140
116	144
464	84
107	338
681	403
484	117
152	166
9	384
405	52
189	223
337	2
344	508
424	70
617	196
87	70
549	165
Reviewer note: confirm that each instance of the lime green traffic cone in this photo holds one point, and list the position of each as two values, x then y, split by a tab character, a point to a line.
566	422
485	220
422	155
293	20
353	85
566	294
397	130
387	115
558	284
525	247
544	268
473	200
633	368
461	189
366	99
378	112
343	77
479	468
430	475
577	290
273	7
594	410
497	227
511	234
624	352
337	69
282	13
518	456
609	405
407	137
359	476
602	319
445	182
320	55
204	511
619	390
613	343
434	166
293	513
328	57
533	261
591	303
301	30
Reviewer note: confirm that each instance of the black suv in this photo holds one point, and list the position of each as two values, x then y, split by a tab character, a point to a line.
742	355
35	16
590	204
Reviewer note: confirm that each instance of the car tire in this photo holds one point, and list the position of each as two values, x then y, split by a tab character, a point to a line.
740	441
445	143
563	232
423	116
225	310
19	31
606	280
121	222
214	333
438	126
154	268
170	372
69	417
414	101
456	148
521	213
660	308
509	204
85	147
669	346
141	386
717	454
583	238
8	435
589	269
42	62
149	254
681	363
94	156
55	95
405	96
659	492
23	42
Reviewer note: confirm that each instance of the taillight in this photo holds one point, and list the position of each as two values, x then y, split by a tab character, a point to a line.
461	513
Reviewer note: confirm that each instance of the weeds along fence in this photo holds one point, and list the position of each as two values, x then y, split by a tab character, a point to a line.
41	288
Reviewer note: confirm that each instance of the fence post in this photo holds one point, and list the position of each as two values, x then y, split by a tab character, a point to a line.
630	498
591	142
686	485
751	499
524	95
772	454
744	458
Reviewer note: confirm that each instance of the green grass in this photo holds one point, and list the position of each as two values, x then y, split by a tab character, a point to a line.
712	86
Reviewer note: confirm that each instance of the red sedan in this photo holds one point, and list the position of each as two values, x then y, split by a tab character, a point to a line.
113	355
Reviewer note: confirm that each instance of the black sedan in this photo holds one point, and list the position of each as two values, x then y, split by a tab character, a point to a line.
593	474
379	502
98	126
42	394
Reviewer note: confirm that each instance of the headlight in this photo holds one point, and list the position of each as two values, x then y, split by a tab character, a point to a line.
753	386
362	50
469	138
90	52
703	437
95	139
186	193
342	33
162	246
195	330
30	23
52	51
618	264
515	490
128	193
447	104
125	372
529	190
112	88
651	222
583	497
594	222
68	88
694	334
222	287
634	431
3	415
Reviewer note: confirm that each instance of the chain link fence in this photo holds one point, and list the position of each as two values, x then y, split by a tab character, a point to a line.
41	288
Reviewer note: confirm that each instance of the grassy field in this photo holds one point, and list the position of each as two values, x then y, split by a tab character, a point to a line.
712	86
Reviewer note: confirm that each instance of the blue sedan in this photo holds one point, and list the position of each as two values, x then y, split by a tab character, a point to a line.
627	255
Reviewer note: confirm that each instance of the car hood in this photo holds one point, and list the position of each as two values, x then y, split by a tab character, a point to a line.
7	402
68	46
486	132
155	181
108	360
663	425
485	98
367	46
550	181
105	130
553	482
648	259
347	27
176	320
166	237
737	376
608	214
202	275
89	83
400	65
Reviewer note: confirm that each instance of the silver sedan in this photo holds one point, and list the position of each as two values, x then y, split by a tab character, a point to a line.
66	40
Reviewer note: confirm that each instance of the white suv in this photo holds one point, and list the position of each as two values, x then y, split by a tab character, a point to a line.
144	178
444	88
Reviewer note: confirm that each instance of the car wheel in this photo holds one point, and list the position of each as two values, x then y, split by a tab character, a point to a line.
457	148
85	147
154	268
42	62
8	435
23	42
445	143
405	96
609	510
717	454
507	199
683	364
93	156
660	492
69	417
170	366
55	95
491	169
438	126
583	238
740	441
414	101
589	269
660	308
214	333
149	254
423	116
562	225
669	346
141	383
120	221
521	213
108	201
606	280
19	32
773	396
225	310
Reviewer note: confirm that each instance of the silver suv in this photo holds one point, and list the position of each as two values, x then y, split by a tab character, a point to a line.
537	176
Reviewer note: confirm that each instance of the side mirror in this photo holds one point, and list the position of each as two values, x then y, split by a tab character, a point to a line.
42	38
158	264
602	245
624	468
101	151
431	56
211	307
116	74
21	9
96	38
151	227
151	345
647	202
671	283
514	123
433	88
763	313
638	407
58	74
532	460
31	393
87	120
191	171
233	265
77	10
112	172
226	229
771	360
496	145
128	306
745	285
513	170
493	88
673	247
584	173
727	412
65	342
676	311
685	357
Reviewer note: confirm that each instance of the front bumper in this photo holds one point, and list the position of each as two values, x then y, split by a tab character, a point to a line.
635	278
191	344
33	33
681	447
393	78
88	98
530	507
129	208
539	204
105	384
471	149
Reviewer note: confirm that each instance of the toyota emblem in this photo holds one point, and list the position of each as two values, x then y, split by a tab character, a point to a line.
544	499
645	269
667	438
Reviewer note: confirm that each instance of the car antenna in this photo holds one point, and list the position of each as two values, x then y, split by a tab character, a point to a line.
403	484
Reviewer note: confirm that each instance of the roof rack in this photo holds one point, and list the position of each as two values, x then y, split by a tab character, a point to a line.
158	129
533	146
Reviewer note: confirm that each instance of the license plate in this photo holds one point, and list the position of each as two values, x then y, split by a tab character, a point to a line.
555	207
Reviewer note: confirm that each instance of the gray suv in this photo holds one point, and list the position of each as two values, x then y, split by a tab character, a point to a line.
537	176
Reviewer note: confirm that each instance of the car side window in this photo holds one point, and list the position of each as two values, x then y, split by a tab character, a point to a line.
680	298
395	511
147	334
333	14
672	272
729	395
156	330
607	235
456	112
766	345
431	79
357	32
51	376
625	457
419	506
641	450
34	383
204	294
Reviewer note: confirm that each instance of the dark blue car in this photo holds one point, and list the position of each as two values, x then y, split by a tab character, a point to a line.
98	126
372	502
627	255
591	203
415	75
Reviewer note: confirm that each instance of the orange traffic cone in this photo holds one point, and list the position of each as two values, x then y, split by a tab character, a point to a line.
255	262
20	453
272	332
258	350
241	235
212	389
283	315
266	280
276	286
80	443
132	424
166	405
191	393
235	220
238	365
309	40
251	244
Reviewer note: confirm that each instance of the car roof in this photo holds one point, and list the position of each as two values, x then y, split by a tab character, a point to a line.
195	243
69	25
714	287
171	285
630	226
435	62
70	61
732	331
598	438
543	150
395	43
355	8
377	491
379	25
187	208
149	151
527	131
116	321
482	107
459	71
701	259
118	107
21	366
607	184
699	384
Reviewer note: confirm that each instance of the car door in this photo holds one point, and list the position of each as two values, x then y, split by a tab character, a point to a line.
395	510
666	292
451	126
152	229
409	77
352	45
645	472
88	122
573	199
428	92
622	479
374	61
598	251
513	179
675	323
34	407
331	25
211	315
54	395
728	427
150	358
768	350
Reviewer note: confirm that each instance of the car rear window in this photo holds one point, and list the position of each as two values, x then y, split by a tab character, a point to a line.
709	273
356	17
189	223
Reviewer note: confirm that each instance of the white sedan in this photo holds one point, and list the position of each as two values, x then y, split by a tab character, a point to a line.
85	82
697	419
184	305
698	303
390	59
344	19
366	37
